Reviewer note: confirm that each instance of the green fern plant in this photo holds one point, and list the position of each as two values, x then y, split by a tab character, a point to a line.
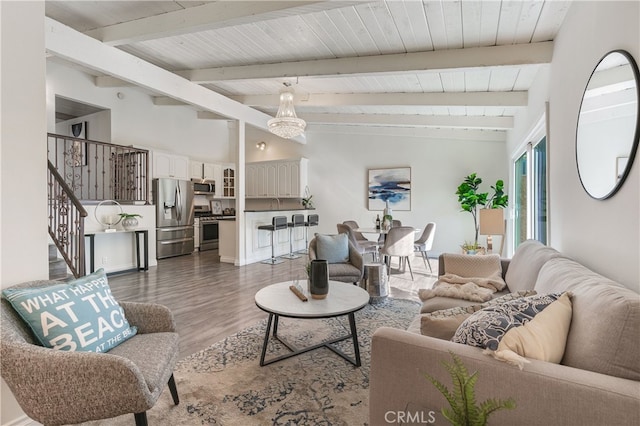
464	411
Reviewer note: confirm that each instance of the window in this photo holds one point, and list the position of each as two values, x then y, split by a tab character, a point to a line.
530	190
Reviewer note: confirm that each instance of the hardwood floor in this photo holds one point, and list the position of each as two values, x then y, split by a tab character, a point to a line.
211	300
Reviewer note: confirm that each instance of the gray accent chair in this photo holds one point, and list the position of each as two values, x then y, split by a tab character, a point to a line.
350	272
57	387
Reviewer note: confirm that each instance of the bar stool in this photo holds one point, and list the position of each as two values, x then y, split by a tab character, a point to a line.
312	220
297	220
277	223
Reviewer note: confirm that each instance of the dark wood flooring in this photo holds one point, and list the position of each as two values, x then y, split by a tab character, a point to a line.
211	300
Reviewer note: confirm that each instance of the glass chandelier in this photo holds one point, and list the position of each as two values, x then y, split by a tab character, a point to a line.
286	124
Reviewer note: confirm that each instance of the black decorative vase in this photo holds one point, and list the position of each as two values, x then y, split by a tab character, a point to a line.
319	277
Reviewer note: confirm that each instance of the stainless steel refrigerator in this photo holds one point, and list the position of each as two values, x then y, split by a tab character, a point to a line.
174	217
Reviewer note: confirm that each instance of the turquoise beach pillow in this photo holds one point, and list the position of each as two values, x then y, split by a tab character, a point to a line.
81	315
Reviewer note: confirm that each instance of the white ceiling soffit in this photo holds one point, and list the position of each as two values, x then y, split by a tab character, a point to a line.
438	63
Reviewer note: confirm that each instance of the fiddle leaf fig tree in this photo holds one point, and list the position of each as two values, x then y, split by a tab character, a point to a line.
470	199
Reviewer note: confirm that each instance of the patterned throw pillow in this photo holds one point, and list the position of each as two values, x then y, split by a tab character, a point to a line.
520	328
443	324
486	327
81	315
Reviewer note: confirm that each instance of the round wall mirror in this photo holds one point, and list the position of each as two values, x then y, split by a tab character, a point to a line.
608	125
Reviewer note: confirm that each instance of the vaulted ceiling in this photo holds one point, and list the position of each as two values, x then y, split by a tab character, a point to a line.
456	65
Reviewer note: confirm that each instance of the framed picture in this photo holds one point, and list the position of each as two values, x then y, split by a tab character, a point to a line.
390	185
216	207
79	130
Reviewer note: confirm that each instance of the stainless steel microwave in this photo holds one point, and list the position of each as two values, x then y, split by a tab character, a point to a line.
204	186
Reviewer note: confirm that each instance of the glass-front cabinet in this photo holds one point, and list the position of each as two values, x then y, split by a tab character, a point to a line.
228	182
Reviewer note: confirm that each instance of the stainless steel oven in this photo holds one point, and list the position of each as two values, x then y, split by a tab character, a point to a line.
208	233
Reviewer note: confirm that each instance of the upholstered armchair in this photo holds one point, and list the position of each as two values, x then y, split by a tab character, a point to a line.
56	387
348	272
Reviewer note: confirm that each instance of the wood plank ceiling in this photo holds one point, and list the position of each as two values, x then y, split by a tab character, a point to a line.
443	64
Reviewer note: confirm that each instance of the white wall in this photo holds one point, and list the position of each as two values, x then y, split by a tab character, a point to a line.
339	159
603	235
23	155
135	120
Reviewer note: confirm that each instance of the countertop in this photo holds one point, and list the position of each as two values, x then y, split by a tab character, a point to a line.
277	210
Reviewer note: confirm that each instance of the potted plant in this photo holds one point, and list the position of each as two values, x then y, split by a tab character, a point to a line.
306	200
129	220
463	410
471	200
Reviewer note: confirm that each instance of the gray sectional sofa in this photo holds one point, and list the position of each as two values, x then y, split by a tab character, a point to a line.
596	383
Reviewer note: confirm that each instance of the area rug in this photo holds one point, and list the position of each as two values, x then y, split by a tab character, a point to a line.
225	385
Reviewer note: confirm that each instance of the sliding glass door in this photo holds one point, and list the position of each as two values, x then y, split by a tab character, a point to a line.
530	193
520	201
539	179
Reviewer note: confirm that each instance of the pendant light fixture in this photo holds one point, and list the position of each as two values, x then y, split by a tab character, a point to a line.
286	124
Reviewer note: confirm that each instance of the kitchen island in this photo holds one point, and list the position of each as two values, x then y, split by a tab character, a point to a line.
258	242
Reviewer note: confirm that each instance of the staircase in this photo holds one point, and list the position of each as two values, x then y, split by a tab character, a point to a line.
57	265
66	226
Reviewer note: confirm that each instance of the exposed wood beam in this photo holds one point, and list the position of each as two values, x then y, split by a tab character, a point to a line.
209	16
208	115
108	81
514	99
437	61
78	48
475	135
467	122
167	101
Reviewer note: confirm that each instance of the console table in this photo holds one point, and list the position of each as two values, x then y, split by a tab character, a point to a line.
136	233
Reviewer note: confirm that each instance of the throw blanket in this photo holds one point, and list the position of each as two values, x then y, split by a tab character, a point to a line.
475	289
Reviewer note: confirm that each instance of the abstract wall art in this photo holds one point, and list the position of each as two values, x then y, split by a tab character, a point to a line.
392	185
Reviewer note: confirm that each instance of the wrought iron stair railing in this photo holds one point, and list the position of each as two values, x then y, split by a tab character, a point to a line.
66	221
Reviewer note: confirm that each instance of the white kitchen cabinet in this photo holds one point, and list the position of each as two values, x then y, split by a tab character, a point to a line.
200	170
228	181
195	169
281	179
292	178
209	170
170	165
270	180
196	233
251	181
261	180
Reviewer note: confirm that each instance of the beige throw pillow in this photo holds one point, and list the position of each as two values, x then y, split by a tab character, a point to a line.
543	338
472	266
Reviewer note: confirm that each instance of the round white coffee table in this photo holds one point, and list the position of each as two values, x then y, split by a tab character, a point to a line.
279	301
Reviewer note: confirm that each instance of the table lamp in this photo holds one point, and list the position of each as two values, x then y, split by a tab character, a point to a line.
492	223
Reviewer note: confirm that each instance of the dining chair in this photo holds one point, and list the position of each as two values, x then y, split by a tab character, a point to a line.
358	235
394	224
363	247
399	242
425	242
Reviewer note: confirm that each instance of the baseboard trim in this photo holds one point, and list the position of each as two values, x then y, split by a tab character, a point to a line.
23	421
